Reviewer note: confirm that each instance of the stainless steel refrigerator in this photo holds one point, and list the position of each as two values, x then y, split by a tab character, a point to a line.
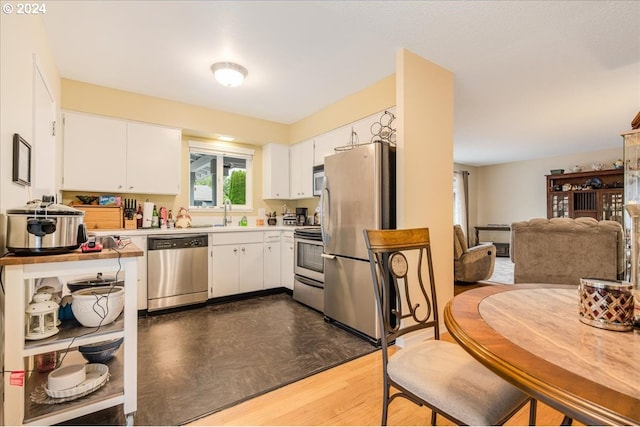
358	193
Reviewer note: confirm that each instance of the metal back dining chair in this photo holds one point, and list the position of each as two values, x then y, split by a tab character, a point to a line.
434	373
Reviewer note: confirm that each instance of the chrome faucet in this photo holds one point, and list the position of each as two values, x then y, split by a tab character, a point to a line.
226	221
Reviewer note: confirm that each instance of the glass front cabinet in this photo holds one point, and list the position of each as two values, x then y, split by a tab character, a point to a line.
632	210
595	194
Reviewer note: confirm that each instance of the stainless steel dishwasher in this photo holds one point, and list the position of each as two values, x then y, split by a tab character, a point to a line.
177	270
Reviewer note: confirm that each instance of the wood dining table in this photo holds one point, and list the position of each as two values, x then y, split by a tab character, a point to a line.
531	335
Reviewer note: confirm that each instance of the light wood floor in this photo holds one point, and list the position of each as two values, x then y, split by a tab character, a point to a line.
349	394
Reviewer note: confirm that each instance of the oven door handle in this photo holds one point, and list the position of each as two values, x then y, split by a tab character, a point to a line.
328	256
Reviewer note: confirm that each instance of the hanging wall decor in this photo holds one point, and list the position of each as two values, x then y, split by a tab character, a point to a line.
21	160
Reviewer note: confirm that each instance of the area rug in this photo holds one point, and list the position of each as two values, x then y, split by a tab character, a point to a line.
196	362
502	272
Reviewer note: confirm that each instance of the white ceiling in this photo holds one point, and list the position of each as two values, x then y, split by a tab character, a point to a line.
533	79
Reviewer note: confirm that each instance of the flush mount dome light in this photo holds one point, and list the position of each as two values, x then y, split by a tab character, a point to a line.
229	74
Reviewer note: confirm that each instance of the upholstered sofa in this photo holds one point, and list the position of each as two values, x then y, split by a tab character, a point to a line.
563	250
471	264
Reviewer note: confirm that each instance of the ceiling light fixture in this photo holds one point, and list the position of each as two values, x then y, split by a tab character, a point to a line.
229	74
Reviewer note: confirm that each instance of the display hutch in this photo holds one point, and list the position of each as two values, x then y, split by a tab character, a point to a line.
595	194
632	197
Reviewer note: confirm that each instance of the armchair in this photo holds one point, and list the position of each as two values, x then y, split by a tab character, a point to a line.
471	264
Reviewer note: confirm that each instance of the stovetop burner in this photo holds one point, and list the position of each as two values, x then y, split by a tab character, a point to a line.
311	232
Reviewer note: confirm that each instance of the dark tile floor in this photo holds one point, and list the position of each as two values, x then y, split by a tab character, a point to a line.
195	362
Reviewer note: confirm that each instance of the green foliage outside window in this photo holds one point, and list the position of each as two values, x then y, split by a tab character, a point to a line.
236	190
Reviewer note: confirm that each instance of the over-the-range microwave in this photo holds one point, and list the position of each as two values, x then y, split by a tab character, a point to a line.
318	175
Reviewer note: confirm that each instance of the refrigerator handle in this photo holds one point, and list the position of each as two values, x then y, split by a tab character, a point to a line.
325	211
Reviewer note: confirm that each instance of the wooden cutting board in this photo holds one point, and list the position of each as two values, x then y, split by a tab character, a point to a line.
101	217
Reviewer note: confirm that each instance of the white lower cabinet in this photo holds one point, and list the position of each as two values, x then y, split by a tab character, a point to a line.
272	260
237	263
286	260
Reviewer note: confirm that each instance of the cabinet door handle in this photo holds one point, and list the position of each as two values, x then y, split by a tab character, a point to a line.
235	249
243	249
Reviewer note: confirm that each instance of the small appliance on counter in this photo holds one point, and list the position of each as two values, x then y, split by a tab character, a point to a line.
42	227
289	219
301	216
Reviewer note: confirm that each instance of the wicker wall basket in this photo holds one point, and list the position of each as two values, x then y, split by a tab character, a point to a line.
606	304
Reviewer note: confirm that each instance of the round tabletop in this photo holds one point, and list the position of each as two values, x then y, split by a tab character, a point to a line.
531	336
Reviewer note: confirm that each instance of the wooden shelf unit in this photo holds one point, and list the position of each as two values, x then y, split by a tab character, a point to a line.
606	202
20	275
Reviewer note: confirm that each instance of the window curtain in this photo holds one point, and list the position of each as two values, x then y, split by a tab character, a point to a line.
461	200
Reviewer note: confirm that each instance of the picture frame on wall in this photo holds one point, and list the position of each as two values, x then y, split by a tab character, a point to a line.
21	160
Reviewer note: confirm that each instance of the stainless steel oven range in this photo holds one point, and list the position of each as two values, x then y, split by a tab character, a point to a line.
308	287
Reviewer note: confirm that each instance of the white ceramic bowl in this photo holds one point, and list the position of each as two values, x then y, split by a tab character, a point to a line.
99	305
66	377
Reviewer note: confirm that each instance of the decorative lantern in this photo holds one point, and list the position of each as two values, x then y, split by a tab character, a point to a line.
42	317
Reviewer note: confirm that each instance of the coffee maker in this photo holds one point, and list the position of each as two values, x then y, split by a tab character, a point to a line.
301	216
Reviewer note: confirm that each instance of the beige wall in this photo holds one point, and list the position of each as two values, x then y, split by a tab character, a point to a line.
194	120
22	44
374	98
204	124
425	159
517	191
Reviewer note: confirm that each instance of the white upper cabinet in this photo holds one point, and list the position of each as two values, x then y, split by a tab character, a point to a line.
301	170
94	153
153	159
275	171
113	155
358	132
326	143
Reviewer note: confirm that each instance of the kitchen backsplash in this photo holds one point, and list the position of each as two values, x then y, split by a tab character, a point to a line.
203	217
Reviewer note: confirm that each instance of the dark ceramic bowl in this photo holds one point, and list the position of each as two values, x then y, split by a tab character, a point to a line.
100	352
88	200
77	285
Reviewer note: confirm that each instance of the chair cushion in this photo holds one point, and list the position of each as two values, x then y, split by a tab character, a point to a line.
443	374
459	242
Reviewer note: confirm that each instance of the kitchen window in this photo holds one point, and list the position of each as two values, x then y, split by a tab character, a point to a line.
218	173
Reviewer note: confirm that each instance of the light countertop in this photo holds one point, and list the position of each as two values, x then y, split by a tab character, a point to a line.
190	230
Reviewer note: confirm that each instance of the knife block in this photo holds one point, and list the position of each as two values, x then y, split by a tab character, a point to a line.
130	224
